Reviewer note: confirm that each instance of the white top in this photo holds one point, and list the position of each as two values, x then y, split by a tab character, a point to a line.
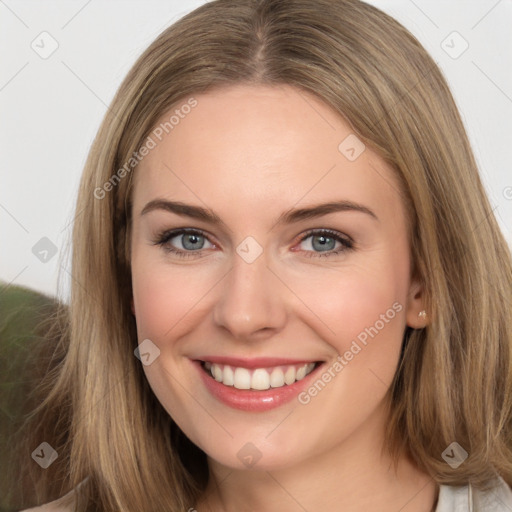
467	499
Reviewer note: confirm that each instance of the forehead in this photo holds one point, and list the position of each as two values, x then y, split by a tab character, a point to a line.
245	149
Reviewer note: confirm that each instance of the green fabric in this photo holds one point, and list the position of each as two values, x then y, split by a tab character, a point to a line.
21	311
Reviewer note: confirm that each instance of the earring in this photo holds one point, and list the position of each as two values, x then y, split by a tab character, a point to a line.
422	315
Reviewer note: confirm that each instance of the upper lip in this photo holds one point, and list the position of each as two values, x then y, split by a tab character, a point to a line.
256	362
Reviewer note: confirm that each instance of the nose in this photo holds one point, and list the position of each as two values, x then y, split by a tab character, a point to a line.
252	302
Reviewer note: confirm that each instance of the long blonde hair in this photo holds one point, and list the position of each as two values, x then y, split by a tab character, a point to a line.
453	382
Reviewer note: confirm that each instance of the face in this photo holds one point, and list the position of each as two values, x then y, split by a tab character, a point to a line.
271	276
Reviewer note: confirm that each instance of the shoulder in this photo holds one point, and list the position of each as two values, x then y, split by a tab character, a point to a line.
54	506
465	498
497	499
63	504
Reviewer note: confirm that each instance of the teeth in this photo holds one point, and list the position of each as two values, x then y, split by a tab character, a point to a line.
228	376
301	373
217	373
259	378
277	378
289	376
242	378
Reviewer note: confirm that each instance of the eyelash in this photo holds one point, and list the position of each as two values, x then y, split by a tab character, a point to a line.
346	243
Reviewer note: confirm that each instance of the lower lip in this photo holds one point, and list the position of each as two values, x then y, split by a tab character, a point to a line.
253	400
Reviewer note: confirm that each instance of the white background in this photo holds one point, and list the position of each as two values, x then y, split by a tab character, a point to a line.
50	109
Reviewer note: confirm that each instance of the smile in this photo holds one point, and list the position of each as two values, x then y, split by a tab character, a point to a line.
259	378
255	385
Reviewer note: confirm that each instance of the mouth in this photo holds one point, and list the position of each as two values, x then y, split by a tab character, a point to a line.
255	385
258	379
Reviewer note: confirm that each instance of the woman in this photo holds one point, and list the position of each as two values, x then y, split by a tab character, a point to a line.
289	287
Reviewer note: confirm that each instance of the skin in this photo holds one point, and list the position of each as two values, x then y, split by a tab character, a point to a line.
250	153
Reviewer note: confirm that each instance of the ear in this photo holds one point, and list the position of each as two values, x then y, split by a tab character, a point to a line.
416	315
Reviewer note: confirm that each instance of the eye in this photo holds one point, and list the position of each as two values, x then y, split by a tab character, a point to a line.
188	242
184	242
324	243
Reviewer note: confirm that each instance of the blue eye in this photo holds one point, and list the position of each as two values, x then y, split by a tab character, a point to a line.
325	243
183	242
189	243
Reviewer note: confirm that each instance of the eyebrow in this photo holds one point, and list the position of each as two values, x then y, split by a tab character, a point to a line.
289	217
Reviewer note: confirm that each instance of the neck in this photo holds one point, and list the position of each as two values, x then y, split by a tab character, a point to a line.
354	476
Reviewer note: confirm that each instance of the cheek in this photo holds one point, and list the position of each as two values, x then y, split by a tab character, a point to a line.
165	297
361	304
166	303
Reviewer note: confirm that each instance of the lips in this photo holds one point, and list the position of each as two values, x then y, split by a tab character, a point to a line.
256	384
